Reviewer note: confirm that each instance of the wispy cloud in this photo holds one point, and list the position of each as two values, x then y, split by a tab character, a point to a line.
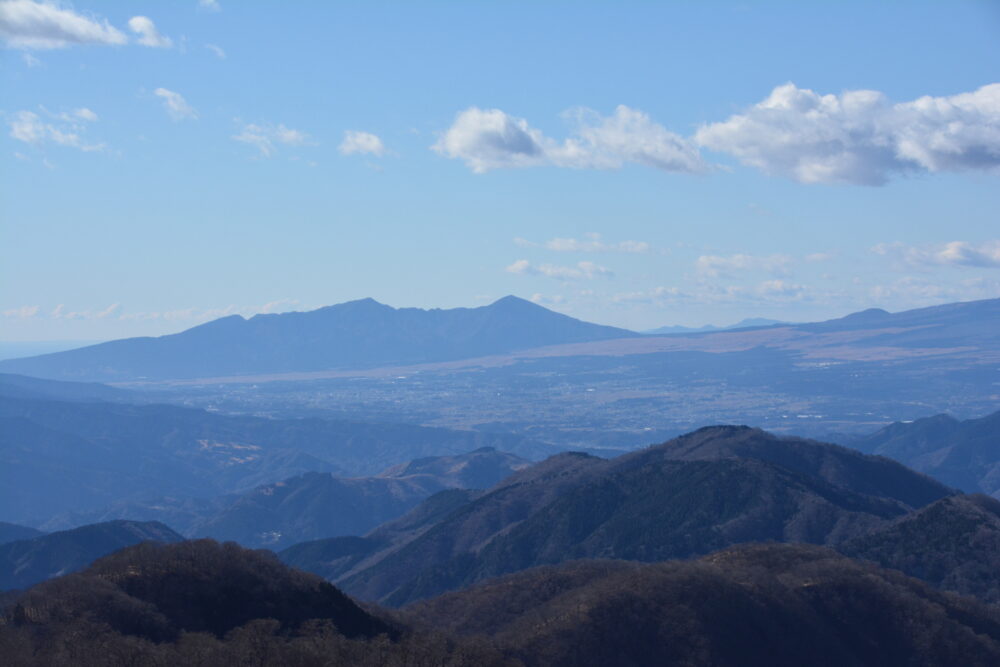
209	5
859	136
22	313
217	50
361	143
148	34
985	254
488	139
175	104
716	265
44	25
62	129
592	242
265	137
61	313
580	271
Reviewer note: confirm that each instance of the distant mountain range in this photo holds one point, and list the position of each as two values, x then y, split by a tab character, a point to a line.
313	505
355	334
964	454
26	562
60	456
713	488
742	324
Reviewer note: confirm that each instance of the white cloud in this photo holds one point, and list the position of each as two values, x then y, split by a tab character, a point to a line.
914	291
217	50
591	243
361	143
491	139
29	127
859	136
30	60
44	25
60	313
209	5
22	313
765	292
85	114
582	270
954	253
148	34
175	104
547	300
715	265
265	136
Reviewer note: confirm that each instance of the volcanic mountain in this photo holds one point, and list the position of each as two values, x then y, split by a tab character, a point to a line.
355	334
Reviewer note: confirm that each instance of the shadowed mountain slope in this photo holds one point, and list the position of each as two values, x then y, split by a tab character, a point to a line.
348	335
749	605
27	562
953	544
964	454
648	505
11	532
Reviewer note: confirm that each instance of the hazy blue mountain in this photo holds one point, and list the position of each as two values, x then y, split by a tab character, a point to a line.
348	335
26	562
963	454
61	456
18	349
11	532
22	386
479	469
952	324
742	324
320	505
713	488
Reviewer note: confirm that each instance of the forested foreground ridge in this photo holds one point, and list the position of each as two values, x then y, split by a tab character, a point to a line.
205	603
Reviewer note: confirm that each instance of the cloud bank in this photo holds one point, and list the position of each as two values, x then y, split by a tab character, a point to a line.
487	139
954	253
860	137
36	25
581	271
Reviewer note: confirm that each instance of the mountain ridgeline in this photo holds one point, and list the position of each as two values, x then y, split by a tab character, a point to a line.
964	454
355	334
713	488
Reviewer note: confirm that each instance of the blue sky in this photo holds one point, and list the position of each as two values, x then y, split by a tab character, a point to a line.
638	164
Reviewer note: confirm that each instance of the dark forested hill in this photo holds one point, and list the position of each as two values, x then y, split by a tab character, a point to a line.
348	335
749	605
26	562
953	543
776	605
963	454
738	485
